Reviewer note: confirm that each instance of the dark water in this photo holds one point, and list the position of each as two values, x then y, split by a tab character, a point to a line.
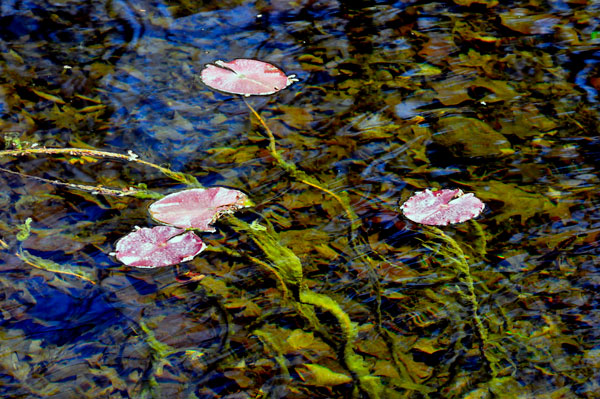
496	98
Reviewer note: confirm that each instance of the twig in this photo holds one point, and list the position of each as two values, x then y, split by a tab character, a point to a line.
131	157
92	189
27	261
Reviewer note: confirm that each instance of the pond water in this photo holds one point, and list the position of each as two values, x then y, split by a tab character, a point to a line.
497	98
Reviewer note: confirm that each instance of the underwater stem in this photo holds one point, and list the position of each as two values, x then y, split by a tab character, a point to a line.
49	266
294	171
354	362
480	243
283	261
132	192
131	157
454	252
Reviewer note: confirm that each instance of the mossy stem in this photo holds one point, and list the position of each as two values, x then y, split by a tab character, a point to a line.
29	262
355	363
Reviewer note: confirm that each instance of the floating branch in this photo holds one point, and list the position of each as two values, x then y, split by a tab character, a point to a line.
133	192
131	157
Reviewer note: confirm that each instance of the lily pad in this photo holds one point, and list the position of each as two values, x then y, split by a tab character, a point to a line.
198	208
158	247
441	207
246	77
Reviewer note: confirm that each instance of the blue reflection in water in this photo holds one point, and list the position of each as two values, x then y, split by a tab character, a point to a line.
583	76
61	316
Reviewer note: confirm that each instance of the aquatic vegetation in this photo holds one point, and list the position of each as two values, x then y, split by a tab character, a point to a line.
170	245
246	77
441	207
89	156
158	247
315	374
323	289
252	77
197	208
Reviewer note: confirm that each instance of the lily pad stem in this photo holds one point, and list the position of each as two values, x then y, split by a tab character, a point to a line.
368	383
456	254
293	170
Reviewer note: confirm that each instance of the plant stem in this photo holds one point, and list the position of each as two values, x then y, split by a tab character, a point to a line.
455	253
131	157
369	384
294	171
50	266
133	192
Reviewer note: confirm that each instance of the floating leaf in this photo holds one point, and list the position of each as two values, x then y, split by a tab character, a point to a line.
245	76
198	208
157	247
438	208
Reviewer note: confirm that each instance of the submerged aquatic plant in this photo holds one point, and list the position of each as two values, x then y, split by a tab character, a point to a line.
251	77
198	209
247	77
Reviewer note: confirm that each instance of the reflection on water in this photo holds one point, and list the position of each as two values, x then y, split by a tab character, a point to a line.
496	98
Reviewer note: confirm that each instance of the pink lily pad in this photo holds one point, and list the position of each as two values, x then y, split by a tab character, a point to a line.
158	247
441	207
246	76
198	208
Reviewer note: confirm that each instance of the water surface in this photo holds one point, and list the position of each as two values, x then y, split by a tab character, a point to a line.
496	98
